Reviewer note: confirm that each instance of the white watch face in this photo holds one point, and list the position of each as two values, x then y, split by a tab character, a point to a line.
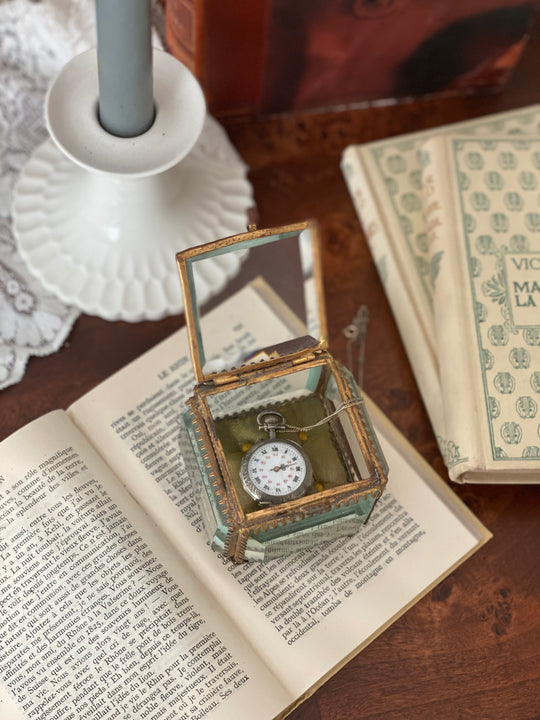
275	471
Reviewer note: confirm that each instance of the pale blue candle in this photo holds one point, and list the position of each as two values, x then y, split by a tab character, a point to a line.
124	52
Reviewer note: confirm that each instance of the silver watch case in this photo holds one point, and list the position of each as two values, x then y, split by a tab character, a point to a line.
264	498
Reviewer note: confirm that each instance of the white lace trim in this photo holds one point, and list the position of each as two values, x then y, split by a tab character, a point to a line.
37	40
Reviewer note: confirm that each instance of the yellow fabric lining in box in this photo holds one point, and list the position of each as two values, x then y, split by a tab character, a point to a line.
238	432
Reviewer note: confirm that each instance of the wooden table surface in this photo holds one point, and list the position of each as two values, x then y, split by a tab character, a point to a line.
471	648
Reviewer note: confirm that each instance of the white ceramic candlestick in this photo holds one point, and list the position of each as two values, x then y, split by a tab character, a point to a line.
99	218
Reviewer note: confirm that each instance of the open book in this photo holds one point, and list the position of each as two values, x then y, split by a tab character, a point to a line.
385	182
114	605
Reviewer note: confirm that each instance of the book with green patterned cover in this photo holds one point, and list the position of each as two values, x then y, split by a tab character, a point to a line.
481	197
385	182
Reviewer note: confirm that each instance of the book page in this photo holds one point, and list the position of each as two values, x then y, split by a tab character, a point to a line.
100	617
328	603
306	613
9	708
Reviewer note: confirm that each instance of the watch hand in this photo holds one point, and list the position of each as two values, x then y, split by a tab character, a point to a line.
282	467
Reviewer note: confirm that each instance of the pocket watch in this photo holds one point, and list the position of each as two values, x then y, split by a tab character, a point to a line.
273	470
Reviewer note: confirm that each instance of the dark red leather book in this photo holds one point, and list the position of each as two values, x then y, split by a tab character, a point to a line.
274	56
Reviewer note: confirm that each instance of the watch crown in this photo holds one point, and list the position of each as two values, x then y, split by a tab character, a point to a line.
271	420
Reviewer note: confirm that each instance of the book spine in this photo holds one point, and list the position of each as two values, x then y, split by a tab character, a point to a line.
223	44
181	31
462	444
417	346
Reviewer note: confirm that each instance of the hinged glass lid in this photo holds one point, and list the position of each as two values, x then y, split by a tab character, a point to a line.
282	266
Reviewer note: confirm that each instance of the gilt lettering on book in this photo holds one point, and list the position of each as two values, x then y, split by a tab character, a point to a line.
485	238
385	182
114	606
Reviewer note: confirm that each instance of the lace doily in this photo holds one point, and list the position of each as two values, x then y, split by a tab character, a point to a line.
38	38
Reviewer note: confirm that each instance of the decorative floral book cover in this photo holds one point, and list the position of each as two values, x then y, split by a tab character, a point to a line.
421	209
481	201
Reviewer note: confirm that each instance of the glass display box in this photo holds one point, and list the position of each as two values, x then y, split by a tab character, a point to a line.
279	446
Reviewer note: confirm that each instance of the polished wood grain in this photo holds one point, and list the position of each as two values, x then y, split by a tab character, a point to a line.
470	650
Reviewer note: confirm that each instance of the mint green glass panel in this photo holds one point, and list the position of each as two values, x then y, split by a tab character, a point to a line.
284	262
265	393
339	522
344	428
214	520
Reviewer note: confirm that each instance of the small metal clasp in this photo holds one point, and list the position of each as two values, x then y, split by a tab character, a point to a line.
356	333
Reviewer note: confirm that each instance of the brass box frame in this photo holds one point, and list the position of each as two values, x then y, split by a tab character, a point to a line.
241	525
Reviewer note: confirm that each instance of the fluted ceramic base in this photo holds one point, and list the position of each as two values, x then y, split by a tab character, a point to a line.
100	227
